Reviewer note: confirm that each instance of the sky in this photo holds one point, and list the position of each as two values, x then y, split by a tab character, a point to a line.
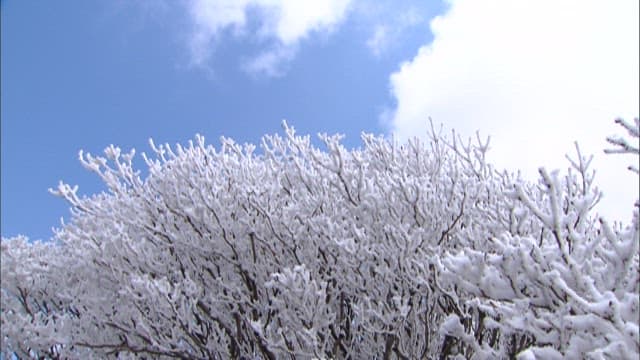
535	75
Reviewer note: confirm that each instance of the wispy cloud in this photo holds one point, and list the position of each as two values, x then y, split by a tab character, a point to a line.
272	62
537	75
283	24
379	40
389	21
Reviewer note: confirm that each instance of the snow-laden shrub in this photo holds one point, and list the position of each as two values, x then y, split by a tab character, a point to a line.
559	283
414	251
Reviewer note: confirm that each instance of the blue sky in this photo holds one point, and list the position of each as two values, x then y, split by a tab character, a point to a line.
86	74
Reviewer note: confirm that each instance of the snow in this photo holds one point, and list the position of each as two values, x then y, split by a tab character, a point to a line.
417	250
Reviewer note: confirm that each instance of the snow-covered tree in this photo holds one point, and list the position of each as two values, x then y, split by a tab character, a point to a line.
420	250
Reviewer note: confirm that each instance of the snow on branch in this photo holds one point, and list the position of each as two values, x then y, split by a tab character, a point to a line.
626	146
394	251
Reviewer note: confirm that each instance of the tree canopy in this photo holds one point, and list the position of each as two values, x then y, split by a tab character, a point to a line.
419	250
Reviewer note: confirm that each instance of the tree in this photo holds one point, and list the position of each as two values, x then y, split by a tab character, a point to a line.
421	250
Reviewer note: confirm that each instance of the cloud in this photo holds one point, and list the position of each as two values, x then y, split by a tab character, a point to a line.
270	62
379	40
283	24
390	23
295	19
536	75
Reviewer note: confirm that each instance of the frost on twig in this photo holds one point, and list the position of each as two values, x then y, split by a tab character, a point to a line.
626	146
394	251
569	281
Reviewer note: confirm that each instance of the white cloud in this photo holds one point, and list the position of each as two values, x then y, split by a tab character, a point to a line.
379	40
270	62
295	19
536	75
284	23
209	19
389	25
